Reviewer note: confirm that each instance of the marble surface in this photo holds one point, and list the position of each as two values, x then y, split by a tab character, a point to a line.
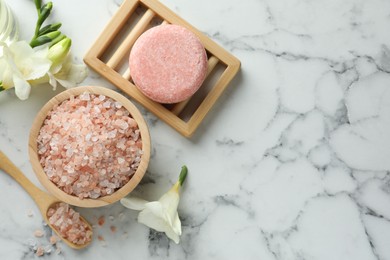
292	162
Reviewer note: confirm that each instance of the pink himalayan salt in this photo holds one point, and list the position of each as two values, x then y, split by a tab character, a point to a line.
40	251
113	229
89	146
68	224
53	240
102	241
38	233
101	220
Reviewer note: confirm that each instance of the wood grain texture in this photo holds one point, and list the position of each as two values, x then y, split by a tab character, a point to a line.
123	81
101	201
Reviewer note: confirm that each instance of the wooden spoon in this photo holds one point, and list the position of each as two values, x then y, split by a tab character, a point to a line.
42	199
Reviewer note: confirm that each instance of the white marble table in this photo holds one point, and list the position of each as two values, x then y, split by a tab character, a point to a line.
292	163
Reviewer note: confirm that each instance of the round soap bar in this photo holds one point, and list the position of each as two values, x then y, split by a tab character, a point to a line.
168	63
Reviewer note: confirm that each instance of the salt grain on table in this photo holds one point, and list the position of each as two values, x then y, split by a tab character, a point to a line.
38	233
113	229
101	220
30	213
102	241
40	251
58	250
89	146
53	240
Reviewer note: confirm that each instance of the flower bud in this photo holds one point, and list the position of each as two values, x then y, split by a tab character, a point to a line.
48	37
57	39
59	51
49	28
44	13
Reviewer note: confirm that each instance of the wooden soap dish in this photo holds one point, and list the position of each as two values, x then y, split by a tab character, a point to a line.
109	57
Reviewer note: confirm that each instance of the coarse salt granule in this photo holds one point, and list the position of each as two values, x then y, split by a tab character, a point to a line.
53	240
113	229
68	224
40	251
89	146
101	220
38	233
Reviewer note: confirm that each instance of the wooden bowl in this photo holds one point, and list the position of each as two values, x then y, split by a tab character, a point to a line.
87	202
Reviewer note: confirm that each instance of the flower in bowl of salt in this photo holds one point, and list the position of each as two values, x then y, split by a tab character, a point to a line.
160	215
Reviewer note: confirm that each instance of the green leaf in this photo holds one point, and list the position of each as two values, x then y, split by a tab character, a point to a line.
49	28
1	86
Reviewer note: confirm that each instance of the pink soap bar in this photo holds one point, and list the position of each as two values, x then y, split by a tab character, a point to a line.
168	63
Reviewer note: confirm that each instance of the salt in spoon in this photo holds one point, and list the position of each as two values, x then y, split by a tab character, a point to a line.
42	199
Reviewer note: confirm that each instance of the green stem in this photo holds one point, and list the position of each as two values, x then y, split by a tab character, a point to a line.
43	13
37	26
183	174
38	5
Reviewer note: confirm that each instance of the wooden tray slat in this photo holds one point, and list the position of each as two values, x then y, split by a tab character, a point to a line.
212	97
131	38
111	69
127	75
112	29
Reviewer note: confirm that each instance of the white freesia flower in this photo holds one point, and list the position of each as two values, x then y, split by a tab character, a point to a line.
25	64
22	66
160	215
62	69
19	64
69	75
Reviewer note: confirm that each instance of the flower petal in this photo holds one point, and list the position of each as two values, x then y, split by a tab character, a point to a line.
21	50
24	61
133	203
41	51
5	74
11	66
75	73
170	202
22	88
52	80
7	78
177	224
173	235
71	74
36	68
153	216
